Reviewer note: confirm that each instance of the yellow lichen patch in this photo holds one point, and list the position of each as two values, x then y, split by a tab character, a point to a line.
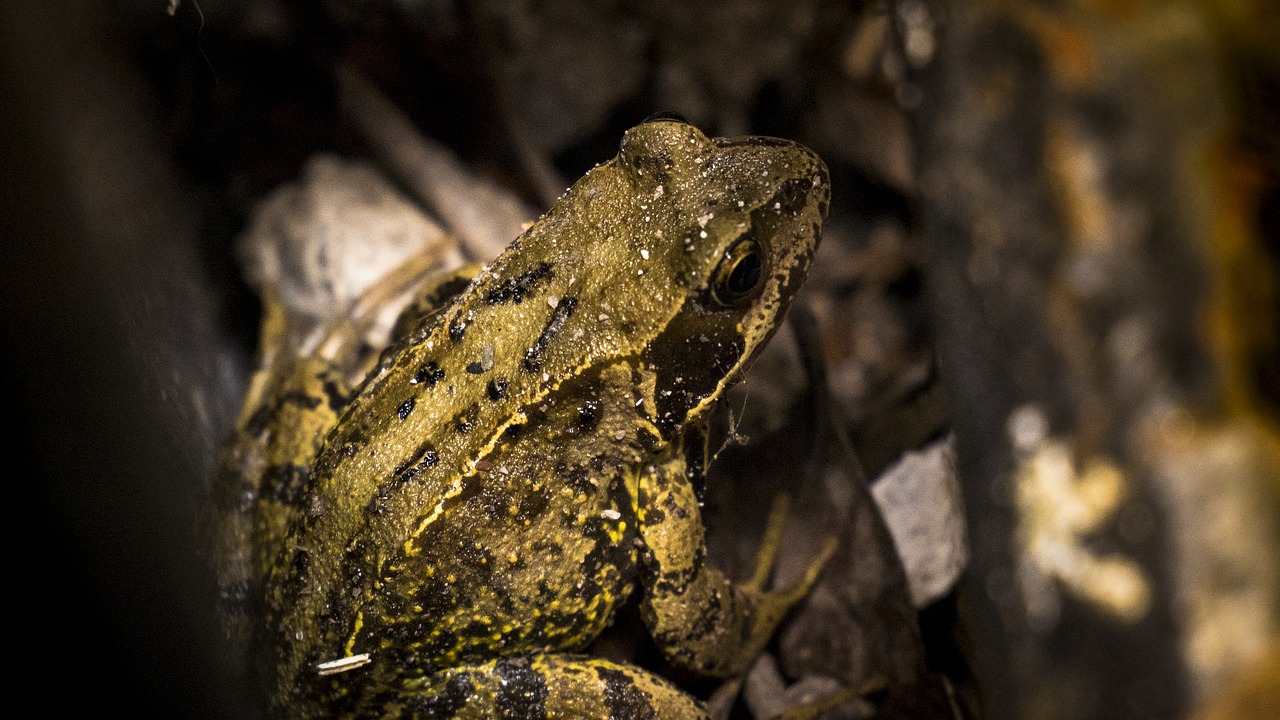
1058	507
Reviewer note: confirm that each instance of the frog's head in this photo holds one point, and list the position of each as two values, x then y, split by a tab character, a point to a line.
748	214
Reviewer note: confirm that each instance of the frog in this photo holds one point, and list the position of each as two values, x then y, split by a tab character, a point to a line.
445	538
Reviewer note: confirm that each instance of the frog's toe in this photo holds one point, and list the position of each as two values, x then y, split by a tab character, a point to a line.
774	605
797	591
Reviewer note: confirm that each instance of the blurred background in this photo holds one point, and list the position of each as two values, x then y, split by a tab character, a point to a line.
1045	309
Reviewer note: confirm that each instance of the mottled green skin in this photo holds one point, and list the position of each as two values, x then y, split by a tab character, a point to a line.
507	472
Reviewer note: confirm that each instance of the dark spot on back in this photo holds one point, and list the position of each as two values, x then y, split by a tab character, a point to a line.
425	456
405	408
430	373
654	516
457	328
497	388
381	497
657	166
563	311
437	597
516	289
588	414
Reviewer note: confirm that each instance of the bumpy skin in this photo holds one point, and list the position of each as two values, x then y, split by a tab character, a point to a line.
260	475
550	686
291	405
501	479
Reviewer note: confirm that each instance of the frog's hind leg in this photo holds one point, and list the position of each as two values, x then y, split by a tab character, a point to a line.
697	616
416	288
260	472
543	686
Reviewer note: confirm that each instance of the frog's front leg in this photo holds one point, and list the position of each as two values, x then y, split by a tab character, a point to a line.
697	616
541	686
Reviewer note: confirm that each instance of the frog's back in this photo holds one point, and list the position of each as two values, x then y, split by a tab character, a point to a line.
535	552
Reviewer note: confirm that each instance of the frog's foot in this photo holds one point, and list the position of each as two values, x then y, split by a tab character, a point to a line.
773	606
768	554
697	616
542	686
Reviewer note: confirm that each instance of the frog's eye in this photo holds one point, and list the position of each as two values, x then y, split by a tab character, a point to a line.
668	116
739	274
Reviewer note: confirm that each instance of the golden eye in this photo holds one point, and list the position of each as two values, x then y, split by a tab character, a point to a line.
739	274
